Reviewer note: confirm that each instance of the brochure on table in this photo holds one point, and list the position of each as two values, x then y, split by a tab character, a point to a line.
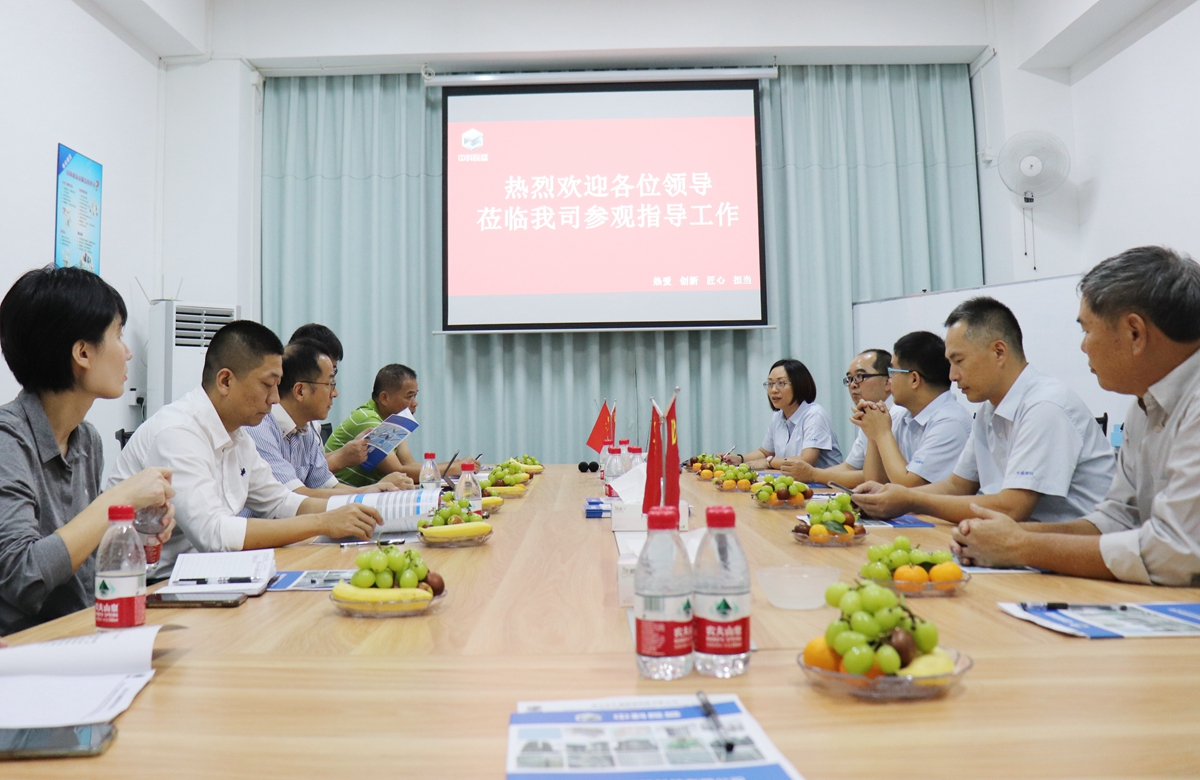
387	436
400	509
903	521
621	738
1111	621
75	681
320	579
77	217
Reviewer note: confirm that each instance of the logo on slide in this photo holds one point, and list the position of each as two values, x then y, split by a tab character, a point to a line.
472	139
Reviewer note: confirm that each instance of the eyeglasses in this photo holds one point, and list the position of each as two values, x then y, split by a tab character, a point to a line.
859	378
332	385
777	385
893	371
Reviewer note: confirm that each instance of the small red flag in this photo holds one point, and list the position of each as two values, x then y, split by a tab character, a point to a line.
671	473
654	465
602	430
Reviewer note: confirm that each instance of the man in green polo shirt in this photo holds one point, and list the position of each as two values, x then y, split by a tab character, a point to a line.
395	390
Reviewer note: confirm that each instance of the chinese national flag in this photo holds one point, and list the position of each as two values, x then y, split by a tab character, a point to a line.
654	459
671	474
602	430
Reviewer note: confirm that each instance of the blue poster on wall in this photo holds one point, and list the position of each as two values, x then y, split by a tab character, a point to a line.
77	223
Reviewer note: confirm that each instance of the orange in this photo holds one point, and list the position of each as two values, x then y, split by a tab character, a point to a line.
946	576
910	579
819	534
773	501
796	500
874	671
706	474
729	484
743	484
697	467
818	653
848	536
718	473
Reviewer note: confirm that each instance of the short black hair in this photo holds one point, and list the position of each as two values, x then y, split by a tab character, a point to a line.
925	353
240	346
391	378
803	386
331	345
883	359
45	314
987	318
1158	283
301	363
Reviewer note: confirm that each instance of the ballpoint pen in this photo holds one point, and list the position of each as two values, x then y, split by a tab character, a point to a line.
1057	605
446	470
217	580
711	714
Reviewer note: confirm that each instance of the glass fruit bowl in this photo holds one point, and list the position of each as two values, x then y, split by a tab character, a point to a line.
780	505
888	687
462	541
922	589
832	541
384	609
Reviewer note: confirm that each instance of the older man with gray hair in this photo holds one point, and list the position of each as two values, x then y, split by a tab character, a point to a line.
1140	314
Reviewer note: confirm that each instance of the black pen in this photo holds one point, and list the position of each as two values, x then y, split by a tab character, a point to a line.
218	580
842	488
446	470
1058	605
711	714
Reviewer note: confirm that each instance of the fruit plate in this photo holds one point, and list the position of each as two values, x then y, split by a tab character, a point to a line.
780	505
463	541
888	687
383	609
922	589
858	540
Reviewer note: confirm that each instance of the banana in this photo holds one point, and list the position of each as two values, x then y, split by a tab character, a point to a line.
493	503
508	491
538	469
456	531
414	598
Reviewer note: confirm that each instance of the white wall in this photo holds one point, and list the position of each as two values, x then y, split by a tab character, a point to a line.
69	80
1137	156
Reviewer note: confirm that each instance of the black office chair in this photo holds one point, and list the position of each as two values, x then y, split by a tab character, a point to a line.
1103	423
326	432
123	436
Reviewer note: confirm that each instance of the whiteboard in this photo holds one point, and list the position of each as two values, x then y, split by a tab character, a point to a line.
1046	309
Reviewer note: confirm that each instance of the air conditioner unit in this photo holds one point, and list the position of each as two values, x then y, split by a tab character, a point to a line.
179	337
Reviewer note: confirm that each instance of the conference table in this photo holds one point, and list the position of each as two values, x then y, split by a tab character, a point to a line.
286	686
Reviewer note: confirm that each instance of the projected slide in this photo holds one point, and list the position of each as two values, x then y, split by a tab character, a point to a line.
611	207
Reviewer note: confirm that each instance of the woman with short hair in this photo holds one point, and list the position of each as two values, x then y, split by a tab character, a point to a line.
800	427
60	332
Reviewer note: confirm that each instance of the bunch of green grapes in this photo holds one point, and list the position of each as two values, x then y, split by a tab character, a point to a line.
875	629
390	567
507	473
884	559
452	512
528	460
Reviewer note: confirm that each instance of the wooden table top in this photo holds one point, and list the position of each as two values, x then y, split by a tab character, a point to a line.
285	686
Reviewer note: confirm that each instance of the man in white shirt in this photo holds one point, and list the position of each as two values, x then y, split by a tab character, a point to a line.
866	380
217	472
1140	313
924	444
1035	451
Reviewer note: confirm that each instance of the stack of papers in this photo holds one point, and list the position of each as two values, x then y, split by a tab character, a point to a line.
1111	621
248	572
75	681
622	738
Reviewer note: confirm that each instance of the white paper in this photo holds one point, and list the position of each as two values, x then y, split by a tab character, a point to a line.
631	542
74	681
631	486
258	565
400	509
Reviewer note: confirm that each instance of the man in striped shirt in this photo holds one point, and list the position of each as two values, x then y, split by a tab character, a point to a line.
395	390
287	439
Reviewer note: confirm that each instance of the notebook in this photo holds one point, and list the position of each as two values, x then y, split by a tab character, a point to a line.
248	572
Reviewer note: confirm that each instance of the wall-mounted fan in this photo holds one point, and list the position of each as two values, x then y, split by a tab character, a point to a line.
1033	165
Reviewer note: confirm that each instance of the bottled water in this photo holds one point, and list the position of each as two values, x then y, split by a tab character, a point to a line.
431	475
120	573
604	456
662	599
616	468
722	599
626	463
149	522
636	458
468	488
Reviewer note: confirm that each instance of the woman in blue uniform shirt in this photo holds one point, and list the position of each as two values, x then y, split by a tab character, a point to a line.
800	428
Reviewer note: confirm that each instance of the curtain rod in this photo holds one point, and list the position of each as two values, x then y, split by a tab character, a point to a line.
596	76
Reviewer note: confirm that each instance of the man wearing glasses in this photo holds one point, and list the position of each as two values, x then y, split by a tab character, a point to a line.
287	439
867	380
924	444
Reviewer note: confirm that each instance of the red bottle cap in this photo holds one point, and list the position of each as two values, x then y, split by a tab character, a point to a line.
623	442
614	450
635	450
468	467
719	516
120	512
607	442
663	518
430	455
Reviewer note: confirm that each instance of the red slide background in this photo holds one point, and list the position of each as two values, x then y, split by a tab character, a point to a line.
605	258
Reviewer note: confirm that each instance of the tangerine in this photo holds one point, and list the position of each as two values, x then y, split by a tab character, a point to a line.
729	484
706	474
818	533
910	579
697	467
819	654
743	484
946	576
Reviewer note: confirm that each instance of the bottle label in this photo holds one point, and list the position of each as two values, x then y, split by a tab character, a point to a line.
608	491
120	601
722	623
664	625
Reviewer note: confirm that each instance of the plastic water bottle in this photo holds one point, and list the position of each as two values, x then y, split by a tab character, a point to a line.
615	468
468	487
722	599
662	586
120	573
149	522
604	456
431	475
636	458
625	457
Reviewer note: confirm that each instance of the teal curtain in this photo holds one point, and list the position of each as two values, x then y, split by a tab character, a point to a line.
869	192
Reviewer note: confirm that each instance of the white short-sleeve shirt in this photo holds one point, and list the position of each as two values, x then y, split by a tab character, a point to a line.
858	450
809	426
933	440
1041	438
